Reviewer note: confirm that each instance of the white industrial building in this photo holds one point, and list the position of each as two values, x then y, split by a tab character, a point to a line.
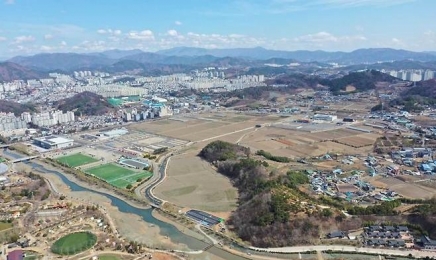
325	117
115	133
53	142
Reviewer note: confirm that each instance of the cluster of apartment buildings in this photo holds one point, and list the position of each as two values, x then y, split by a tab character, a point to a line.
9	122
412	75
156	107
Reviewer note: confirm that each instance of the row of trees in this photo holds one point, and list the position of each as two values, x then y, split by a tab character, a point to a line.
271	157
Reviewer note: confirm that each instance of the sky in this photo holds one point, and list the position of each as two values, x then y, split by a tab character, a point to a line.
34	26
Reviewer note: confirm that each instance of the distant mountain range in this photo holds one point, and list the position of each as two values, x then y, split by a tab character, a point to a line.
10	71
354	57
183	59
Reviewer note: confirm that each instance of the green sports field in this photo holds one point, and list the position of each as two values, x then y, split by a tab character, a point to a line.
75	160
116	175
74	243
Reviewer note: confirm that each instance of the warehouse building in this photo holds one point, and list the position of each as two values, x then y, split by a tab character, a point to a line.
325	117
115	133
53	142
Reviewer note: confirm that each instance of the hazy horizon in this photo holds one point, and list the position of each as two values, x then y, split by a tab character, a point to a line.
31	27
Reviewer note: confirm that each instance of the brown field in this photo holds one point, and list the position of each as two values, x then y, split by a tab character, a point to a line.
292	143
359	140
204	126
406	189
193	183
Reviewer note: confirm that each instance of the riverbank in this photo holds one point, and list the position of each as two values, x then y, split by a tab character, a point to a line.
158	215
130	226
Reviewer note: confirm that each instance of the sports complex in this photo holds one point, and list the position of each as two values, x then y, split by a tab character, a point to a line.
121	174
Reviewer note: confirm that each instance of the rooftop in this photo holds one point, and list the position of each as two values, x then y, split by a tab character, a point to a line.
53	139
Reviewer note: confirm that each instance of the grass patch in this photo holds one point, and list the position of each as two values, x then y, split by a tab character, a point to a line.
75	160
237	119
141	175
180	191
120	183
5	225
74	243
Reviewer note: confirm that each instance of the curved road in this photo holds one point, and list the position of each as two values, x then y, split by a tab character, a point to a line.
159	174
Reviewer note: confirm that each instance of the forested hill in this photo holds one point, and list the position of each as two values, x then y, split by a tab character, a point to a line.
16	108
275	210
425	89
415	98
362	81
270	212
85	103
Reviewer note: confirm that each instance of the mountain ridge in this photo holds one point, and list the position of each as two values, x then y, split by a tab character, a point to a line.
10	71
114	60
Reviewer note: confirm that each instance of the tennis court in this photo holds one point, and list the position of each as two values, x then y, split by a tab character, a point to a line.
75	160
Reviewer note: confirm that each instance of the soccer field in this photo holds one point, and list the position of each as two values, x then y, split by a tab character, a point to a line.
109	172
116	175
75	160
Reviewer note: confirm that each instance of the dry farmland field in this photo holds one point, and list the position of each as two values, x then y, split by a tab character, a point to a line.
295	144
406	189
192	182
201	127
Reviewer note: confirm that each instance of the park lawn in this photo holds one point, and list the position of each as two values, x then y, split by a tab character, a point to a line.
75	160
5	225
74	243
109	172
142	175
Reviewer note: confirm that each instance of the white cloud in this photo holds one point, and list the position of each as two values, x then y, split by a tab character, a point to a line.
24	39
117	32
142	35
178	23
9	2
2	39
325	37
317	37
46	48
63	43
101	31
48	37
172	33
91	46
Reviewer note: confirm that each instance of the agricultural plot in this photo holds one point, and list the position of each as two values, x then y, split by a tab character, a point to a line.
358	141
116	175
297	144
75	160
192	182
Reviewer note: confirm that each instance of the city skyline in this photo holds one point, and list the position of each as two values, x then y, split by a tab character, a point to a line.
30	27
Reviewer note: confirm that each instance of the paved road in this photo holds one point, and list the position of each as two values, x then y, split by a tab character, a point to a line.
363	250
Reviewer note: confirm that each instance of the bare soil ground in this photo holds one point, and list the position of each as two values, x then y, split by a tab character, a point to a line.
294	144
193	183
202	126
407	189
